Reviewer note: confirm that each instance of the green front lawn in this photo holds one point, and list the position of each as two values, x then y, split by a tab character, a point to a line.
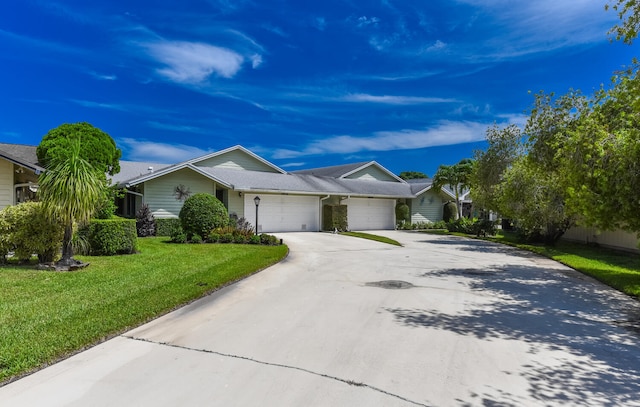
45	316
369	236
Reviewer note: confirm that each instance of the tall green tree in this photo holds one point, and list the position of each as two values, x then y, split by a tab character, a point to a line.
457	177
505	146
69	190
96	147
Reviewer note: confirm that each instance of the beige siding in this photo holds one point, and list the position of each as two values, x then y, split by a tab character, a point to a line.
6	183
236	204
427	207
236	160
372	173
618	239
158	193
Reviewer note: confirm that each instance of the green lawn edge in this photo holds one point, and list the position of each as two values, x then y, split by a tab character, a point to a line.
617	269
370	236
47	316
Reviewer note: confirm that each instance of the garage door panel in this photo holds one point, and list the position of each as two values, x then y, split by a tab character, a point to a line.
284	213
370	213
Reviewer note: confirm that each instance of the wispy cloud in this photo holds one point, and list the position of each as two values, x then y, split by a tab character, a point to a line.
443	134
193	62
100	105
395	100
103	77
175	127
148	151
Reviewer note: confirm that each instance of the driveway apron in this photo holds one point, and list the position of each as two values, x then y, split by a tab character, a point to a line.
441	321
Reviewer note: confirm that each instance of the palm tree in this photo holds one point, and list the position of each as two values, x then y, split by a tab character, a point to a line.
69	190
456	177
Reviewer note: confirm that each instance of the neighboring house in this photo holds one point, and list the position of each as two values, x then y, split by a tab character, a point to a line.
427	205
19	170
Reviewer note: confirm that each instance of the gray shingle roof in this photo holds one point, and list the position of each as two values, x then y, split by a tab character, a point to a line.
304	183
131	169
21	154
335	171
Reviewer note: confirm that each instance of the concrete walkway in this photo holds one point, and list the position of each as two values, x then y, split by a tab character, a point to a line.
462	323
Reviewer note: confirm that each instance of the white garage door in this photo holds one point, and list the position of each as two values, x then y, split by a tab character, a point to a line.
284	213
371	213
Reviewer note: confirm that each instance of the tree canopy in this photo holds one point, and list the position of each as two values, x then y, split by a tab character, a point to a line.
96	147
405	175
629	14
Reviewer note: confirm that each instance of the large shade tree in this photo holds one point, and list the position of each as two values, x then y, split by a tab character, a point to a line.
69	190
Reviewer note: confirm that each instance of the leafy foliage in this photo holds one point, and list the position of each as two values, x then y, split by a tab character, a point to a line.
27	230
108	237
201	213
69	190
402	213
96	147
166	227
412	175
449	211
145	222
629	13
457	177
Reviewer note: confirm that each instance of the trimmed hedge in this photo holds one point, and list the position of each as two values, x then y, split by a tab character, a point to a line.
166	227
108	237
201	213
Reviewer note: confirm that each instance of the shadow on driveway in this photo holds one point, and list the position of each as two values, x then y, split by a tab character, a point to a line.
550	311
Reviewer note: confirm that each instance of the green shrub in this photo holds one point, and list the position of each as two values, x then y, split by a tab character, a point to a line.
484	227
240	238
449	212
166	227
226	238
403	215
108	237
201	213
269	240
178	236
441	224
196	238
461	225
255	239
213	237
334	217
145	222
27	230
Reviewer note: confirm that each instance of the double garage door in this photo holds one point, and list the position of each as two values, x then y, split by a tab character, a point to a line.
284	213
370	213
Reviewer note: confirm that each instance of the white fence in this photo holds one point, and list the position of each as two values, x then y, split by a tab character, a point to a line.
617	239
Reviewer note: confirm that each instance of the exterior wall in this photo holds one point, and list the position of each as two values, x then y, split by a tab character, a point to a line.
236	204
427	207
6	183
617	239
158	193
235	160
372	173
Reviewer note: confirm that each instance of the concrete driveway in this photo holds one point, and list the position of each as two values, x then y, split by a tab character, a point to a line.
462	322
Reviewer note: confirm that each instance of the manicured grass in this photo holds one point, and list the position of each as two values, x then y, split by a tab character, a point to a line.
45	316
372	237
619	270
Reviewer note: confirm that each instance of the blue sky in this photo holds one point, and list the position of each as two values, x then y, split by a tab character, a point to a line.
410	84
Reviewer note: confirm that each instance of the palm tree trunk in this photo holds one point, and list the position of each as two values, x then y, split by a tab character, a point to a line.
67	248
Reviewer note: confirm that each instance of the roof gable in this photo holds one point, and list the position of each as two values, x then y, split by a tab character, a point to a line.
372	171
236	158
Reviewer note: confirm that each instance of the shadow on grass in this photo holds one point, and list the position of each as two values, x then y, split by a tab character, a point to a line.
593	329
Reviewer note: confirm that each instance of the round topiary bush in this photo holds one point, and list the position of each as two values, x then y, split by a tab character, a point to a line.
201	213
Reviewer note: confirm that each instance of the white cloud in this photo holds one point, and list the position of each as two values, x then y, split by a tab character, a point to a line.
394	100
443	134
175	127
437	46
103	77
365	21
91	104
194	62
148	151
256	60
